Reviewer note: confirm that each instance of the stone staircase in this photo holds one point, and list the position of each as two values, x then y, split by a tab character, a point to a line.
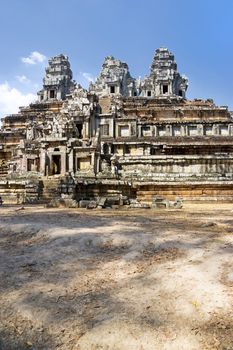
32	192
51	189
3	170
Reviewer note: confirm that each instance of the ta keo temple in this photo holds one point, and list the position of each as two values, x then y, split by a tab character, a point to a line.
123	137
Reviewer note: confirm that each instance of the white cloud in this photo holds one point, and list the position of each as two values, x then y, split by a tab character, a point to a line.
88	76
11	99
34	58
23	79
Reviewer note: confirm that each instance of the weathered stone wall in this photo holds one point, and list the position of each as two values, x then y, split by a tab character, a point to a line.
19	191
177	167
187	191
105	188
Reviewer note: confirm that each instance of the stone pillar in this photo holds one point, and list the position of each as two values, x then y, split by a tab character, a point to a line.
71	161
200	130
63	163
147	150
216	130
42	161
93	164
49	164
230	130
186	131
170	92
168	130
97	169
46	95
24	163
130	131
182	130
59	96
85	130
139	131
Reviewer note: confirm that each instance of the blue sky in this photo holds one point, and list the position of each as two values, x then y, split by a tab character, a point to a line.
198	32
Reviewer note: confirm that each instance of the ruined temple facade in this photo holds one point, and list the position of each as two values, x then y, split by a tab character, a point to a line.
139	137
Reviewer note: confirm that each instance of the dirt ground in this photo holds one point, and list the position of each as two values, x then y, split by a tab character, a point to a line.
116	280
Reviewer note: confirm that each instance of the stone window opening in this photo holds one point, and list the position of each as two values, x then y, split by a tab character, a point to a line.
112	89
161	130
52	93
112	149
126	149
104	130
56	149
83	164
192	130
180	93
176	130
152	151
123	130
148	93
165	89
208	130
105	148
223	130
146	130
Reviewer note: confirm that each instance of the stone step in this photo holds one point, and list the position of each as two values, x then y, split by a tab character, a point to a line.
51	189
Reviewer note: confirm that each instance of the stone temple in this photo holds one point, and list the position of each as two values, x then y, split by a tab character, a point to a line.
123	137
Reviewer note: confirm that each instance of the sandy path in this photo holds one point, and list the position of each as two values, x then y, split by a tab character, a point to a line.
140	280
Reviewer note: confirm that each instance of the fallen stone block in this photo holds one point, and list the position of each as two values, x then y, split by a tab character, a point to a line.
102	202
83	203
140	206
92	205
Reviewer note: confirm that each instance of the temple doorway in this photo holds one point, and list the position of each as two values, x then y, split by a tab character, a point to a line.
56	164
79	127
30	164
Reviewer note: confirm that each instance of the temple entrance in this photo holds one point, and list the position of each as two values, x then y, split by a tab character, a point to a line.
56	164
79	127
30	164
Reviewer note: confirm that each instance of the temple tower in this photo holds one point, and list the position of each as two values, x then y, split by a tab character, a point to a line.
164	79
114	79
57	82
